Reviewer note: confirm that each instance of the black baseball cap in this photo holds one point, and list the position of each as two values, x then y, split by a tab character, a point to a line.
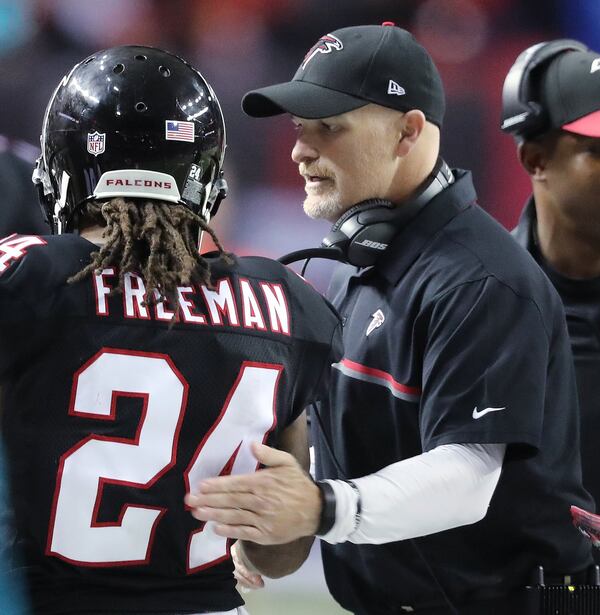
351	68
570	92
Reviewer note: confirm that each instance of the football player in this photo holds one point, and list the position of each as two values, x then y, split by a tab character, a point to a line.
131	366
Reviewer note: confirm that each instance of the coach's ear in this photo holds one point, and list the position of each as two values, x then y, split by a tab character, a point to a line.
411	127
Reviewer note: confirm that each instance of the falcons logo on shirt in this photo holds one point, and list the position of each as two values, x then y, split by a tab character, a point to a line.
326	44
378	320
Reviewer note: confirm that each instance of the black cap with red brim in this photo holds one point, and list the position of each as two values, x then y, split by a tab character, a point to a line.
571	92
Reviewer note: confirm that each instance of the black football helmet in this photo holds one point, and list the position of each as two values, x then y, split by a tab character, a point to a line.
135	122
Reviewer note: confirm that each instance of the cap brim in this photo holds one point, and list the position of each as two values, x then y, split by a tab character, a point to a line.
588	126
300	98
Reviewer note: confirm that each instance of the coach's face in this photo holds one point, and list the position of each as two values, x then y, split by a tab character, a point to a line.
347	158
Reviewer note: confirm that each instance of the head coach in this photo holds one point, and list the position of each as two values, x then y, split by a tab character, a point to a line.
448	449
551	105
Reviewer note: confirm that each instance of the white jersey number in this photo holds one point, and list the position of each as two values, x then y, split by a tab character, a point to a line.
75	534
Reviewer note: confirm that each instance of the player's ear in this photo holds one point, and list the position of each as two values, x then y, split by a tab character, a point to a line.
412	124
532	159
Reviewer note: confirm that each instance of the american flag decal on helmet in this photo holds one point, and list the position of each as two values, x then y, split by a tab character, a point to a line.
326	44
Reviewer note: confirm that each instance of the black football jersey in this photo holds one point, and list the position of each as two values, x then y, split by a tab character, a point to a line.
112	412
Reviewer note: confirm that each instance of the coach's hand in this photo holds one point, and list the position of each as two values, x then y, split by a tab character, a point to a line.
274	505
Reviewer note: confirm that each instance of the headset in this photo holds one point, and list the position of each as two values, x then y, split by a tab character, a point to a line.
364	232
522	114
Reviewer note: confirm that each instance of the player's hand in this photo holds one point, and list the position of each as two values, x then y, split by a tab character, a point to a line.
244	572
274	505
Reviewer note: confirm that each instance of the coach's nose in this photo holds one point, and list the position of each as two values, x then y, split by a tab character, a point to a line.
303	150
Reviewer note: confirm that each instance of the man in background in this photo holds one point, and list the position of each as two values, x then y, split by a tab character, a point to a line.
553	91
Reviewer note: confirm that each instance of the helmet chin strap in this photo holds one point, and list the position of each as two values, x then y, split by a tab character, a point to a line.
41	181
200	238
61	202
48	201
214	196
215	193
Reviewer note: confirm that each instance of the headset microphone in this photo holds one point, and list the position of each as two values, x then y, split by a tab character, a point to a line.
332	253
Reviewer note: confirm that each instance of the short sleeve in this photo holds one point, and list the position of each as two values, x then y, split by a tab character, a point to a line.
484	368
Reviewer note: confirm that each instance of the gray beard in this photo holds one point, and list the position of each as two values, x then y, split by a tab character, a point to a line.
325	209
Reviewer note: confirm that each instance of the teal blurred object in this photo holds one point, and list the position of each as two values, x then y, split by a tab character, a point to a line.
16	23
11	595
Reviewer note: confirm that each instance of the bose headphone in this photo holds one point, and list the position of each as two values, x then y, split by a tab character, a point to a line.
365	230
522	114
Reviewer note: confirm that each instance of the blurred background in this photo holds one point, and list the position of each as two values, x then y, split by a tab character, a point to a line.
243	44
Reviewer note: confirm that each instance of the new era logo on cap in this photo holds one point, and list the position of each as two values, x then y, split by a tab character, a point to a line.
395	88
595	65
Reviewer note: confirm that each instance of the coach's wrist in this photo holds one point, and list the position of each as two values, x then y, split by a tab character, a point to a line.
328	508
342	501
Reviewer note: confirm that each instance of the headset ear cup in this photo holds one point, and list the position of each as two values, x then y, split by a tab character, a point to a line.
363	232
339	239
522	114
538	120
344	217
359	208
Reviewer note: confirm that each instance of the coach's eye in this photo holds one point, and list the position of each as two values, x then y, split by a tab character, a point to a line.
330	126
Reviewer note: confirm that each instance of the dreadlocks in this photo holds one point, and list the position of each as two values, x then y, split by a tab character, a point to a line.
156	239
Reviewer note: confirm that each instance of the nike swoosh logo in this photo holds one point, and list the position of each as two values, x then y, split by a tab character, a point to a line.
478	414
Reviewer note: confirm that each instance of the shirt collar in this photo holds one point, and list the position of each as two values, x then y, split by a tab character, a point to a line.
408	244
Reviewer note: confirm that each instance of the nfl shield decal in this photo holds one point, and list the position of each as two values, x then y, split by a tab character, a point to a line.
96	143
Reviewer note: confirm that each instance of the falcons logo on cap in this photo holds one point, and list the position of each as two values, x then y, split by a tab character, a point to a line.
326	44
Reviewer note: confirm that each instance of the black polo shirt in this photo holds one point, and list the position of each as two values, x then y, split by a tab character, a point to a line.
455	336
581	300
